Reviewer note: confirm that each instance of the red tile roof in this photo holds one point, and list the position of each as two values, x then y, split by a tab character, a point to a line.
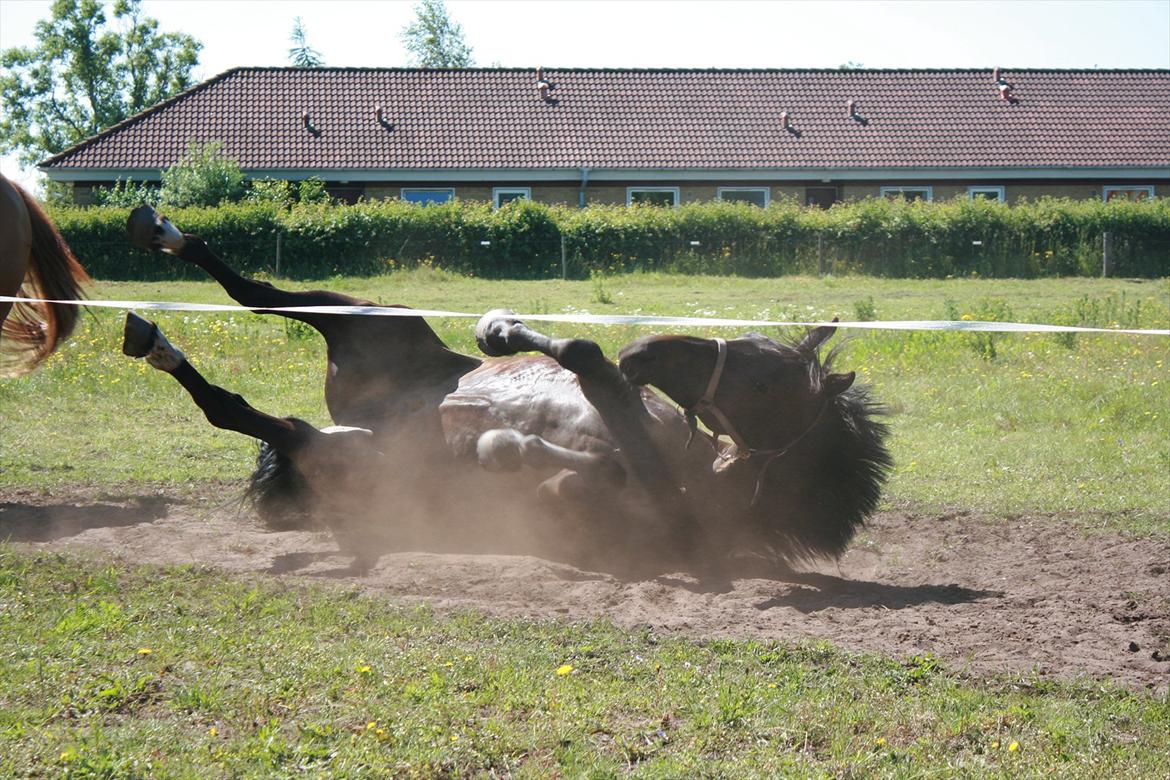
650	119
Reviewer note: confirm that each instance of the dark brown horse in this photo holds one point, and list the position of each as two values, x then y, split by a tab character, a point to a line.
803	472
33	258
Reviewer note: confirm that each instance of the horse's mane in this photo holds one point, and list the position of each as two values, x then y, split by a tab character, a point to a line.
815	498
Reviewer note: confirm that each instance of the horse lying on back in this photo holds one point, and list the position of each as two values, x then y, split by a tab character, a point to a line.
464	438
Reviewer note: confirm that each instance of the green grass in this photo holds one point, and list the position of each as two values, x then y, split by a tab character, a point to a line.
115	672
1076	426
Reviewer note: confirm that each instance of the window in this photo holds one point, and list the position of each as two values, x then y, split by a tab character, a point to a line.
1129	192
426	197
908	192
821	197
757	196
654	196
501	196
988	191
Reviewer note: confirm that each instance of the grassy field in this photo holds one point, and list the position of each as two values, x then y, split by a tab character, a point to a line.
115	673
995	423
118	672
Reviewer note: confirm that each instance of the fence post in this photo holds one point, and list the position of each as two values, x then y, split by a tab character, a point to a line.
821	254
278	236
564	260
1107	253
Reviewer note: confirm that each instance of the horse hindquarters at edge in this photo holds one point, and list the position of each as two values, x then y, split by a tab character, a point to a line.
32	249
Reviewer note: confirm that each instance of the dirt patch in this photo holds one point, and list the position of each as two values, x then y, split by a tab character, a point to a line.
984	594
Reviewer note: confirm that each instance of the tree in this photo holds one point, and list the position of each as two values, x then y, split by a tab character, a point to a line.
302	55
89	69
204	177
434	39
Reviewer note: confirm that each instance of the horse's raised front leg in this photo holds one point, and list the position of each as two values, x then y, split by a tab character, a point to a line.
506	449
619	403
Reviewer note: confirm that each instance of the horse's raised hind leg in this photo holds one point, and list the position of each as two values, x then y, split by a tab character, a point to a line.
150	230
331	456
229	411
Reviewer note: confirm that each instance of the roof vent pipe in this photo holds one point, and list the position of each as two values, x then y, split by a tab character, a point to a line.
851	107
542	85
380	117
308	123
784	117
995	75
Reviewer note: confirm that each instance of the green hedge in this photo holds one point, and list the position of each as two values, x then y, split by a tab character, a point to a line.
962	237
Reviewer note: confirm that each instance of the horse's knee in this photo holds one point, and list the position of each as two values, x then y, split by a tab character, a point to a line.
500	450
581	356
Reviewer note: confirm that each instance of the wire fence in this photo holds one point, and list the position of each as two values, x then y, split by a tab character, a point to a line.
284	254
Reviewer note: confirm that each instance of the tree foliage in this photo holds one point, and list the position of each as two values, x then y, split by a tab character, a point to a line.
434	39
92	67
204	177
301	54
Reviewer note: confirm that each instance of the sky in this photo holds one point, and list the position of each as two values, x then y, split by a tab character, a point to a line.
673	34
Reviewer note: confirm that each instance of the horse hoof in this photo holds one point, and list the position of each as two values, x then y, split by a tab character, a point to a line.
139	336
489	332
150	230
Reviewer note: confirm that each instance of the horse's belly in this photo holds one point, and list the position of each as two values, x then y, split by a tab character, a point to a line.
533	395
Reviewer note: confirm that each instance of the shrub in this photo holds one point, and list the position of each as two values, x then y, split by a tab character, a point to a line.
204	177
524	239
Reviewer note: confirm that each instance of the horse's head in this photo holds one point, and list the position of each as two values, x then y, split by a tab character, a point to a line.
763	394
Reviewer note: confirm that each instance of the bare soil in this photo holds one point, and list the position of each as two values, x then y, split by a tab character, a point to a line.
985	594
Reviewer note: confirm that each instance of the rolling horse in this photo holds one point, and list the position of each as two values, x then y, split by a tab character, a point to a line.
33	256
424	433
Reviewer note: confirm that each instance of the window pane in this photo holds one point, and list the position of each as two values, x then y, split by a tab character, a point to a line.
1130	193
909	193
426	196
755	197
985	194
503	198
653	197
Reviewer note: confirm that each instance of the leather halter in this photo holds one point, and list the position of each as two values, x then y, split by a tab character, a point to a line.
706	404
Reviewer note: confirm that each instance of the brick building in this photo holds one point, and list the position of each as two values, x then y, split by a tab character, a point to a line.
579	136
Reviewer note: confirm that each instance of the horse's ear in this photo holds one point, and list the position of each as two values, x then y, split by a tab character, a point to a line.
835	384
818	336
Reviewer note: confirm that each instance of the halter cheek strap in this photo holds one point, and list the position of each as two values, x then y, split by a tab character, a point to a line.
706	404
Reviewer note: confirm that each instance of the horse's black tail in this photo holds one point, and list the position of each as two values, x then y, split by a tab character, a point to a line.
279	493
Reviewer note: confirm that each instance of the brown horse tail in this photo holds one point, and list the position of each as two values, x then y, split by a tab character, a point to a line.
33	330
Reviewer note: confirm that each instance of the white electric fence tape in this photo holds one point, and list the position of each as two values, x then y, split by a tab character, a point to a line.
610	319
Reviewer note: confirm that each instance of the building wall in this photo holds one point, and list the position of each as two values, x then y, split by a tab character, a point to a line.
615	192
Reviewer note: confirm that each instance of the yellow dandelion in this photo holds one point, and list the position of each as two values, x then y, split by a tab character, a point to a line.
966	318
371	725
363	669
144	651
563	670
380	732
213	731
454	737
1012	748
995	745
880	741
